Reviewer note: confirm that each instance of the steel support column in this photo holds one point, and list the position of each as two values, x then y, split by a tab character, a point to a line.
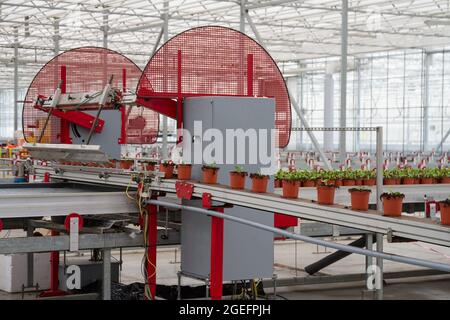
56	36
328	115
357	116
242	16
105	27
106	286
30	259
16	78
426	101
344	49
379	157
379	267
369	246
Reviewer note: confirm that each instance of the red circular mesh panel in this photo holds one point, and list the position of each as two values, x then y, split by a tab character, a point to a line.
214	61
87	69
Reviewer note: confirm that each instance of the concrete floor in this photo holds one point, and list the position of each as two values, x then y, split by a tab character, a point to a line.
288	266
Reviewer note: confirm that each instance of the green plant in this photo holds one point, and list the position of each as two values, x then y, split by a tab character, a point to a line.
258	175
411	173
446	172
280	174
348	174
167	163
211	166
327	183
302	175
390	174
392	195
239	170
426	173
359	189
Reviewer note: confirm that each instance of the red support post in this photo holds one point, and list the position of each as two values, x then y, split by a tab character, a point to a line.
216	272
124	80
54	274
250	75
179	98
151	247
65	126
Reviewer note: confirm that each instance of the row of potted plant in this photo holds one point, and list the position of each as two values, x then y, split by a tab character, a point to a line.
350	177
210	175
410	175
290	181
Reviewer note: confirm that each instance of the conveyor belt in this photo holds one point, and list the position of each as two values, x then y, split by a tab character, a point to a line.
29	202
372	221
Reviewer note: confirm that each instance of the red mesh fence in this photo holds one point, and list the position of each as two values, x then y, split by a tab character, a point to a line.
214	61
86	69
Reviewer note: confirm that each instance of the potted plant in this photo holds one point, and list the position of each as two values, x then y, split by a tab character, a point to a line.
184	171
328	176
392	203
259	182
325	192
338	176
390	177
370	177
409	175
209	173
445	175
291	184
360	198
349	178
126	164
237	178
167	168
359	177
428	176
149	165
310	179
445	212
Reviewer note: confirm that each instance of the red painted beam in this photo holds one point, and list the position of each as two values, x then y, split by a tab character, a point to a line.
151	248
165	107
216	273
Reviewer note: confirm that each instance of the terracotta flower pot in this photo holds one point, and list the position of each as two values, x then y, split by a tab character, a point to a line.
360	200
358	182
408	180
126	164
426	181
369	182
309	184
168	171
325	195
445	213
349	183
290	189
339	183
259	184
277	183
210	175
445	180
184	171
392	207
237	180
390	181
416	181
149	166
